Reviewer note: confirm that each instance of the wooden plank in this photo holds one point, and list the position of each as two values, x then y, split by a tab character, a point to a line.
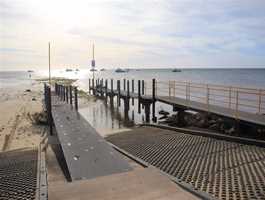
86	153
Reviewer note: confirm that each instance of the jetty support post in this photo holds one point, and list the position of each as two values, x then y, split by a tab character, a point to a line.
139	96
89	85
71	94
111	94
106	90
128	96
67	96
132	91
76	98
143	92
102	88
64	93
124	85
119	92
93	86
153	100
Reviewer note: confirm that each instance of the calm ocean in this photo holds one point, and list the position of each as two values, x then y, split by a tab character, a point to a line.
236	77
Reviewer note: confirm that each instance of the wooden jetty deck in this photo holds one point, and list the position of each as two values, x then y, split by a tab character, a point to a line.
241	104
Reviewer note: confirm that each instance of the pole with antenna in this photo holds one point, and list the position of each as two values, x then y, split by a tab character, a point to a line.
49	63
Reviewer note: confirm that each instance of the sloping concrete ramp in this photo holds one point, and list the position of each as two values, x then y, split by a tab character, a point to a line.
141	184
86	153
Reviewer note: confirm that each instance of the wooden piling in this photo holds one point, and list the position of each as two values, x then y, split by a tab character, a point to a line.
71	95
66	87
124	85
139	96
64	93
143	87
76	98
93	86
132	91
119	92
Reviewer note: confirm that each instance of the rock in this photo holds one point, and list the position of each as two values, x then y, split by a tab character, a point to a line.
34	99
27	90
163	112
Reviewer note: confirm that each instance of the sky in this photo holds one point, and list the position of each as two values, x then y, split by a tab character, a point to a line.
132	33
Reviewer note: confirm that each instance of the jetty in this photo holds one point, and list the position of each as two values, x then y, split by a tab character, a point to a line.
245	105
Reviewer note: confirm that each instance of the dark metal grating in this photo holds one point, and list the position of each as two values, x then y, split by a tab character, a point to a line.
225	170
18	174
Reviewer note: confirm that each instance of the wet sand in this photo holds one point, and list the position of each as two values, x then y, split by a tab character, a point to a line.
17	125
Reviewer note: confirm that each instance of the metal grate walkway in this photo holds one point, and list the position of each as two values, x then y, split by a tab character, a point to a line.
18	174
225	170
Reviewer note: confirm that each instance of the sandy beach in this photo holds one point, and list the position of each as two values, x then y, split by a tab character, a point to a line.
19	108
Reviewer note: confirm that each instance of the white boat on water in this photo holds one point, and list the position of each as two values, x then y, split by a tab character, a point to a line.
176	70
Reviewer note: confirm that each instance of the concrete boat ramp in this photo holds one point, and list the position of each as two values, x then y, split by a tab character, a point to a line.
94	169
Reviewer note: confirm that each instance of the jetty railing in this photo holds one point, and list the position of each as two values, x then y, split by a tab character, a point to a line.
232	97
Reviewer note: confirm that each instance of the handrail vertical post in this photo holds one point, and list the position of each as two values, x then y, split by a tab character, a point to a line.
230	97
76	98
169	88
237	96
259	102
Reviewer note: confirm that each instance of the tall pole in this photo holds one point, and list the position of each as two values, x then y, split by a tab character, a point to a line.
93	62
50	64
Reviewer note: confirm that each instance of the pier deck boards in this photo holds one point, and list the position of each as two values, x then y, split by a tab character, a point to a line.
198	106
86	153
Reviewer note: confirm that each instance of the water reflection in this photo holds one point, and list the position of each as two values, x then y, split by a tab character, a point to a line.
107	119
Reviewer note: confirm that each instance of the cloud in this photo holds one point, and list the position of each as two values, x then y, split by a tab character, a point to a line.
147	32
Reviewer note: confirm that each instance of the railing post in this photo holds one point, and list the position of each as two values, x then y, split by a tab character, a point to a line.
207	96
259	102
237	99
71	95
174	88
76	98
230	97
169	88
132	91
154	99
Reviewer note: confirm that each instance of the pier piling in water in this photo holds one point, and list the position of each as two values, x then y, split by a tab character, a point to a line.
133	91
71	94
139	96
76	98
119	92
154	100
